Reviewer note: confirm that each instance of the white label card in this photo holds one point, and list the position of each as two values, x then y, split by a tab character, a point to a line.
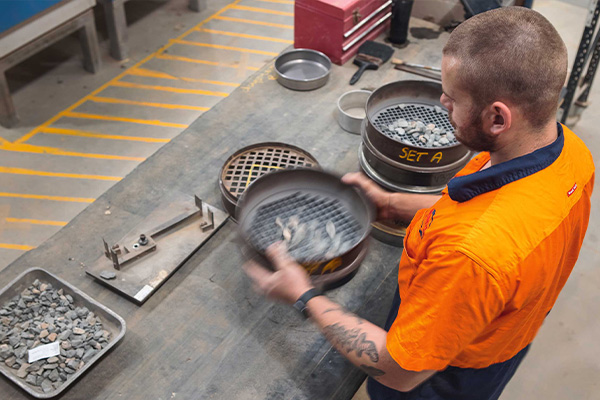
45	351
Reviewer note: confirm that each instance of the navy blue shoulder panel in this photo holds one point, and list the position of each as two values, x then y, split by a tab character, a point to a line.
464	188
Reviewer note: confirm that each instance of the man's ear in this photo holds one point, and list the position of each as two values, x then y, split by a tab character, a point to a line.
497	118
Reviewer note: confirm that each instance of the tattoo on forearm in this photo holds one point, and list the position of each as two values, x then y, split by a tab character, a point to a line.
352	340
372	371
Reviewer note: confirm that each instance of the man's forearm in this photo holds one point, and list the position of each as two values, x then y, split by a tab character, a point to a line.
404	206
363	344
358	340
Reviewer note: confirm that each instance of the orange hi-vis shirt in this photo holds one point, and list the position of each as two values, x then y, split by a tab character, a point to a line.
482	268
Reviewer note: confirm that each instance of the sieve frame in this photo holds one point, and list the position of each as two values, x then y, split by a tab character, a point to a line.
409	92
306	180
228	199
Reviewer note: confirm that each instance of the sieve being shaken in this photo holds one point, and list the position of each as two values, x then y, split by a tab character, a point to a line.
336	218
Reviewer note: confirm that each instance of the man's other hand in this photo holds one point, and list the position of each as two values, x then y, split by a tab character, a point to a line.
376	194
289	281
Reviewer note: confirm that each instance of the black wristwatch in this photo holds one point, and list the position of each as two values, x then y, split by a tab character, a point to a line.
300	304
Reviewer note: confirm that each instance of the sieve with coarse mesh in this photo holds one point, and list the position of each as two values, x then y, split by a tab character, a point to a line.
401	162
251	162
315	199
412	101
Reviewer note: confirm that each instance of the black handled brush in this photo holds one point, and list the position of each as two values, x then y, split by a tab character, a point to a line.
370	56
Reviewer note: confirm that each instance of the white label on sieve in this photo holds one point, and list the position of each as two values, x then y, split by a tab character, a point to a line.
45	351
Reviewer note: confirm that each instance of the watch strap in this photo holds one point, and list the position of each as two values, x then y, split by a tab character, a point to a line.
300	304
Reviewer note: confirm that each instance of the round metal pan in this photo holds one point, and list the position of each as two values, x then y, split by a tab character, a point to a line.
351	110
280	184
302	69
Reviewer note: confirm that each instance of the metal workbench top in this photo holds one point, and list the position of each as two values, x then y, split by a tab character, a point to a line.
205	334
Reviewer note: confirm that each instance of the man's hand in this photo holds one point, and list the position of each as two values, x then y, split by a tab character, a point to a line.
376	194
289	281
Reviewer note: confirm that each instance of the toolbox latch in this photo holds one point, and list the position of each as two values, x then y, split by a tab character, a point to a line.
356	16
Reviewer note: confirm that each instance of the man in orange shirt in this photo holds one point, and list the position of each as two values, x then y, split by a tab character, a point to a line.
484	262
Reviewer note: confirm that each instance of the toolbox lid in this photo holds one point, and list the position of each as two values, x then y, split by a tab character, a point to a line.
338	9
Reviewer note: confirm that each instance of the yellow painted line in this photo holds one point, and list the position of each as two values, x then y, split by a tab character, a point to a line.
75	132
111	100
221	47
42	197
23	171
153	122
246	36
150	73
262	10
35	221
122	74
249	21
132	85
27	148
194	60
15	246
162	75
278	1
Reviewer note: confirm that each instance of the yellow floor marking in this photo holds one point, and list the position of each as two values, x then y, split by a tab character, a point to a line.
169	89
221	47
278	1
15	246
157	74
194	60
35	221
42	197
150	73
154	122
262	10
122	74
111	100
249	21
24	171
28	148
75	132
246	36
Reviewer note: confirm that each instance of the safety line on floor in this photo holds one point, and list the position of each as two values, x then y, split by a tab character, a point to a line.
155	122
148	73
15	246
245	36
171	89
262	10
221	47
194	60
35	221
44	197
28	148
25	171
111	100
253	22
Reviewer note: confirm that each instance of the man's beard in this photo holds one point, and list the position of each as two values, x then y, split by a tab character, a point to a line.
472	135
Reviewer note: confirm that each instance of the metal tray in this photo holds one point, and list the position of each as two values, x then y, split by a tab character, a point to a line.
110	320
302	69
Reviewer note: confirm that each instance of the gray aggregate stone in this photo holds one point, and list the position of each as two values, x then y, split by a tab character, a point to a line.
31	379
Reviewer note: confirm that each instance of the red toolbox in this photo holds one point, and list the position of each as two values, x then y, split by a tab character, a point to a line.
338	27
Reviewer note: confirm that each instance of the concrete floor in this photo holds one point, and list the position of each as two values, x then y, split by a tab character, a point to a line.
55	162
80	133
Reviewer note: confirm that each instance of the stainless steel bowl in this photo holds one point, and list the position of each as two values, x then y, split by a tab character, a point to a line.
352	110
302	69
